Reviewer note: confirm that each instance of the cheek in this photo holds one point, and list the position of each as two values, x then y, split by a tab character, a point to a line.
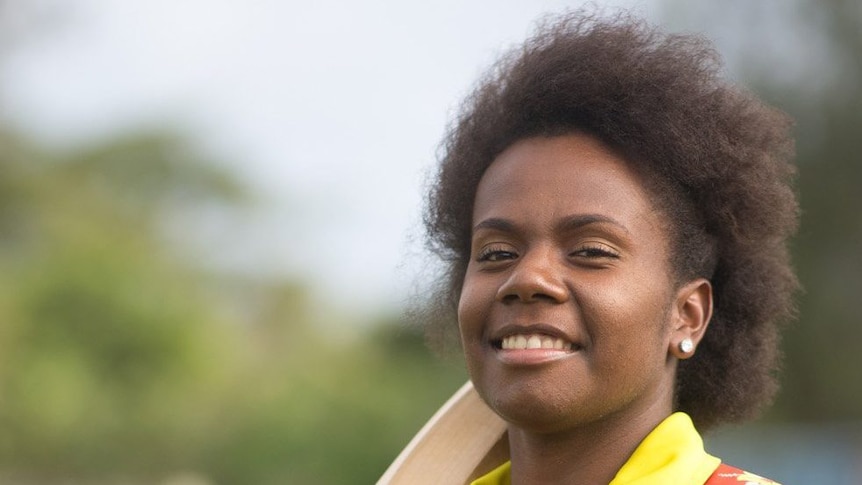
468	311
627	320
473	308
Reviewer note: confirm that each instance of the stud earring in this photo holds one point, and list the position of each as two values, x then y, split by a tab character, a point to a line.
686	345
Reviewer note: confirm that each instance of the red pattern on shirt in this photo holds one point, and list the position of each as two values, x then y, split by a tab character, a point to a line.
727	475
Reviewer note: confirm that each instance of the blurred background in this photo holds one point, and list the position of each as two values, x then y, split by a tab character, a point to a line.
210	228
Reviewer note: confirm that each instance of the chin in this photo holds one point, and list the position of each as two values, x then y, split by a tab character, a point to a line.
529	406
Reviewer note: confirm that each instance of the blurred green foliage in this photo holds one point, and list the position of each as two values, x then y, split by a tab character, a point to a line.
811	67
122	360
821	376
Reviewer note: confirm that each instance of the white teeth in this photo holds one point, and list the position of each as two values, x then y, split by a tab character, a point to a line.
534	341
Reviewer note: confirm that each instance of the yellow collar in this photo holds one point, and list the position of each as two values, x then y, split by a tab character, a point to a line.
672	453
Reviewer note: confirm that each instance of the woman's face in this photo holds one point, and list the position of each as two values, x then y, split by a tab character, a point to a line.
567	305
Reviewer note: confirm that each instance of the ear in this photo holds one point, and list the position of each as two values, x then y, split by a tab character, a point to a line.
691	313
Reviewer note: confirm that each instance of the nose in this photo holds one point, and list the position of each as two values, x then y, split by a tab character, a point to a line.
537	276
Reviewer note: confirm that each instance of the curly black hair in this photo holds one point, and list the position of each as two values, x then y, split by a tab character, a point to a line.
715	159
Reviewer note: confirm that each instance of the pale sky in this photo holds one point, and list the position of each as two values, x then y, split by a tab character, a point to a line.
331	109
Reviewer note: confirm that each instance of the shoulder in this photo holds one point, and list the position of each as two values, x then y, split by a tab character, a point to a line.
726	475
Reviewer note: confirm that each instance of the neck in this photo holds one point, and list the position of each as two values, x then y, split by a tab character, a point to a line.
589	454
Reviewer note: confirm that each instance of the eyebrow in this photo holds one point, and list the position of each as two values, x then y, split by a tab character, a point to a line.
579	221
495	224
567	224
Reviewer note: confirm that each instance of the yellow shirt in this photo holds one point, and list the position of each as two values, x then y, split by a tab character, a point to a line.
672	453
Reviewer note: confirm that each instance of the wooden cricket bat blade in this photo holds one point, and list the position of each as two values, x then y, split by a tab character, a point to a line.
462	441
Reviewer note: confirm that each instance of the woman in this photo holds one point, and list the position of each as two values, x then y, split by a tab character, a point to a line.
615	219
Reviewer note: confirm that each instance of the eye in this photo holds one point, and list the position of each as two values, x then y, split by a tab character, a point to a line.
594	250
495	253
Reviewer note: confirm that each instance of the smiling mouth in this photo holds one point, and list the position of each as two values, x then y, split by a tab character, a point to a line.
533	341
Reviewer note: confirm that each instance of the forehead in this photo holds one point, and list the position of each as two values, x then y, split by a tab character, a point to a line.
562	176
